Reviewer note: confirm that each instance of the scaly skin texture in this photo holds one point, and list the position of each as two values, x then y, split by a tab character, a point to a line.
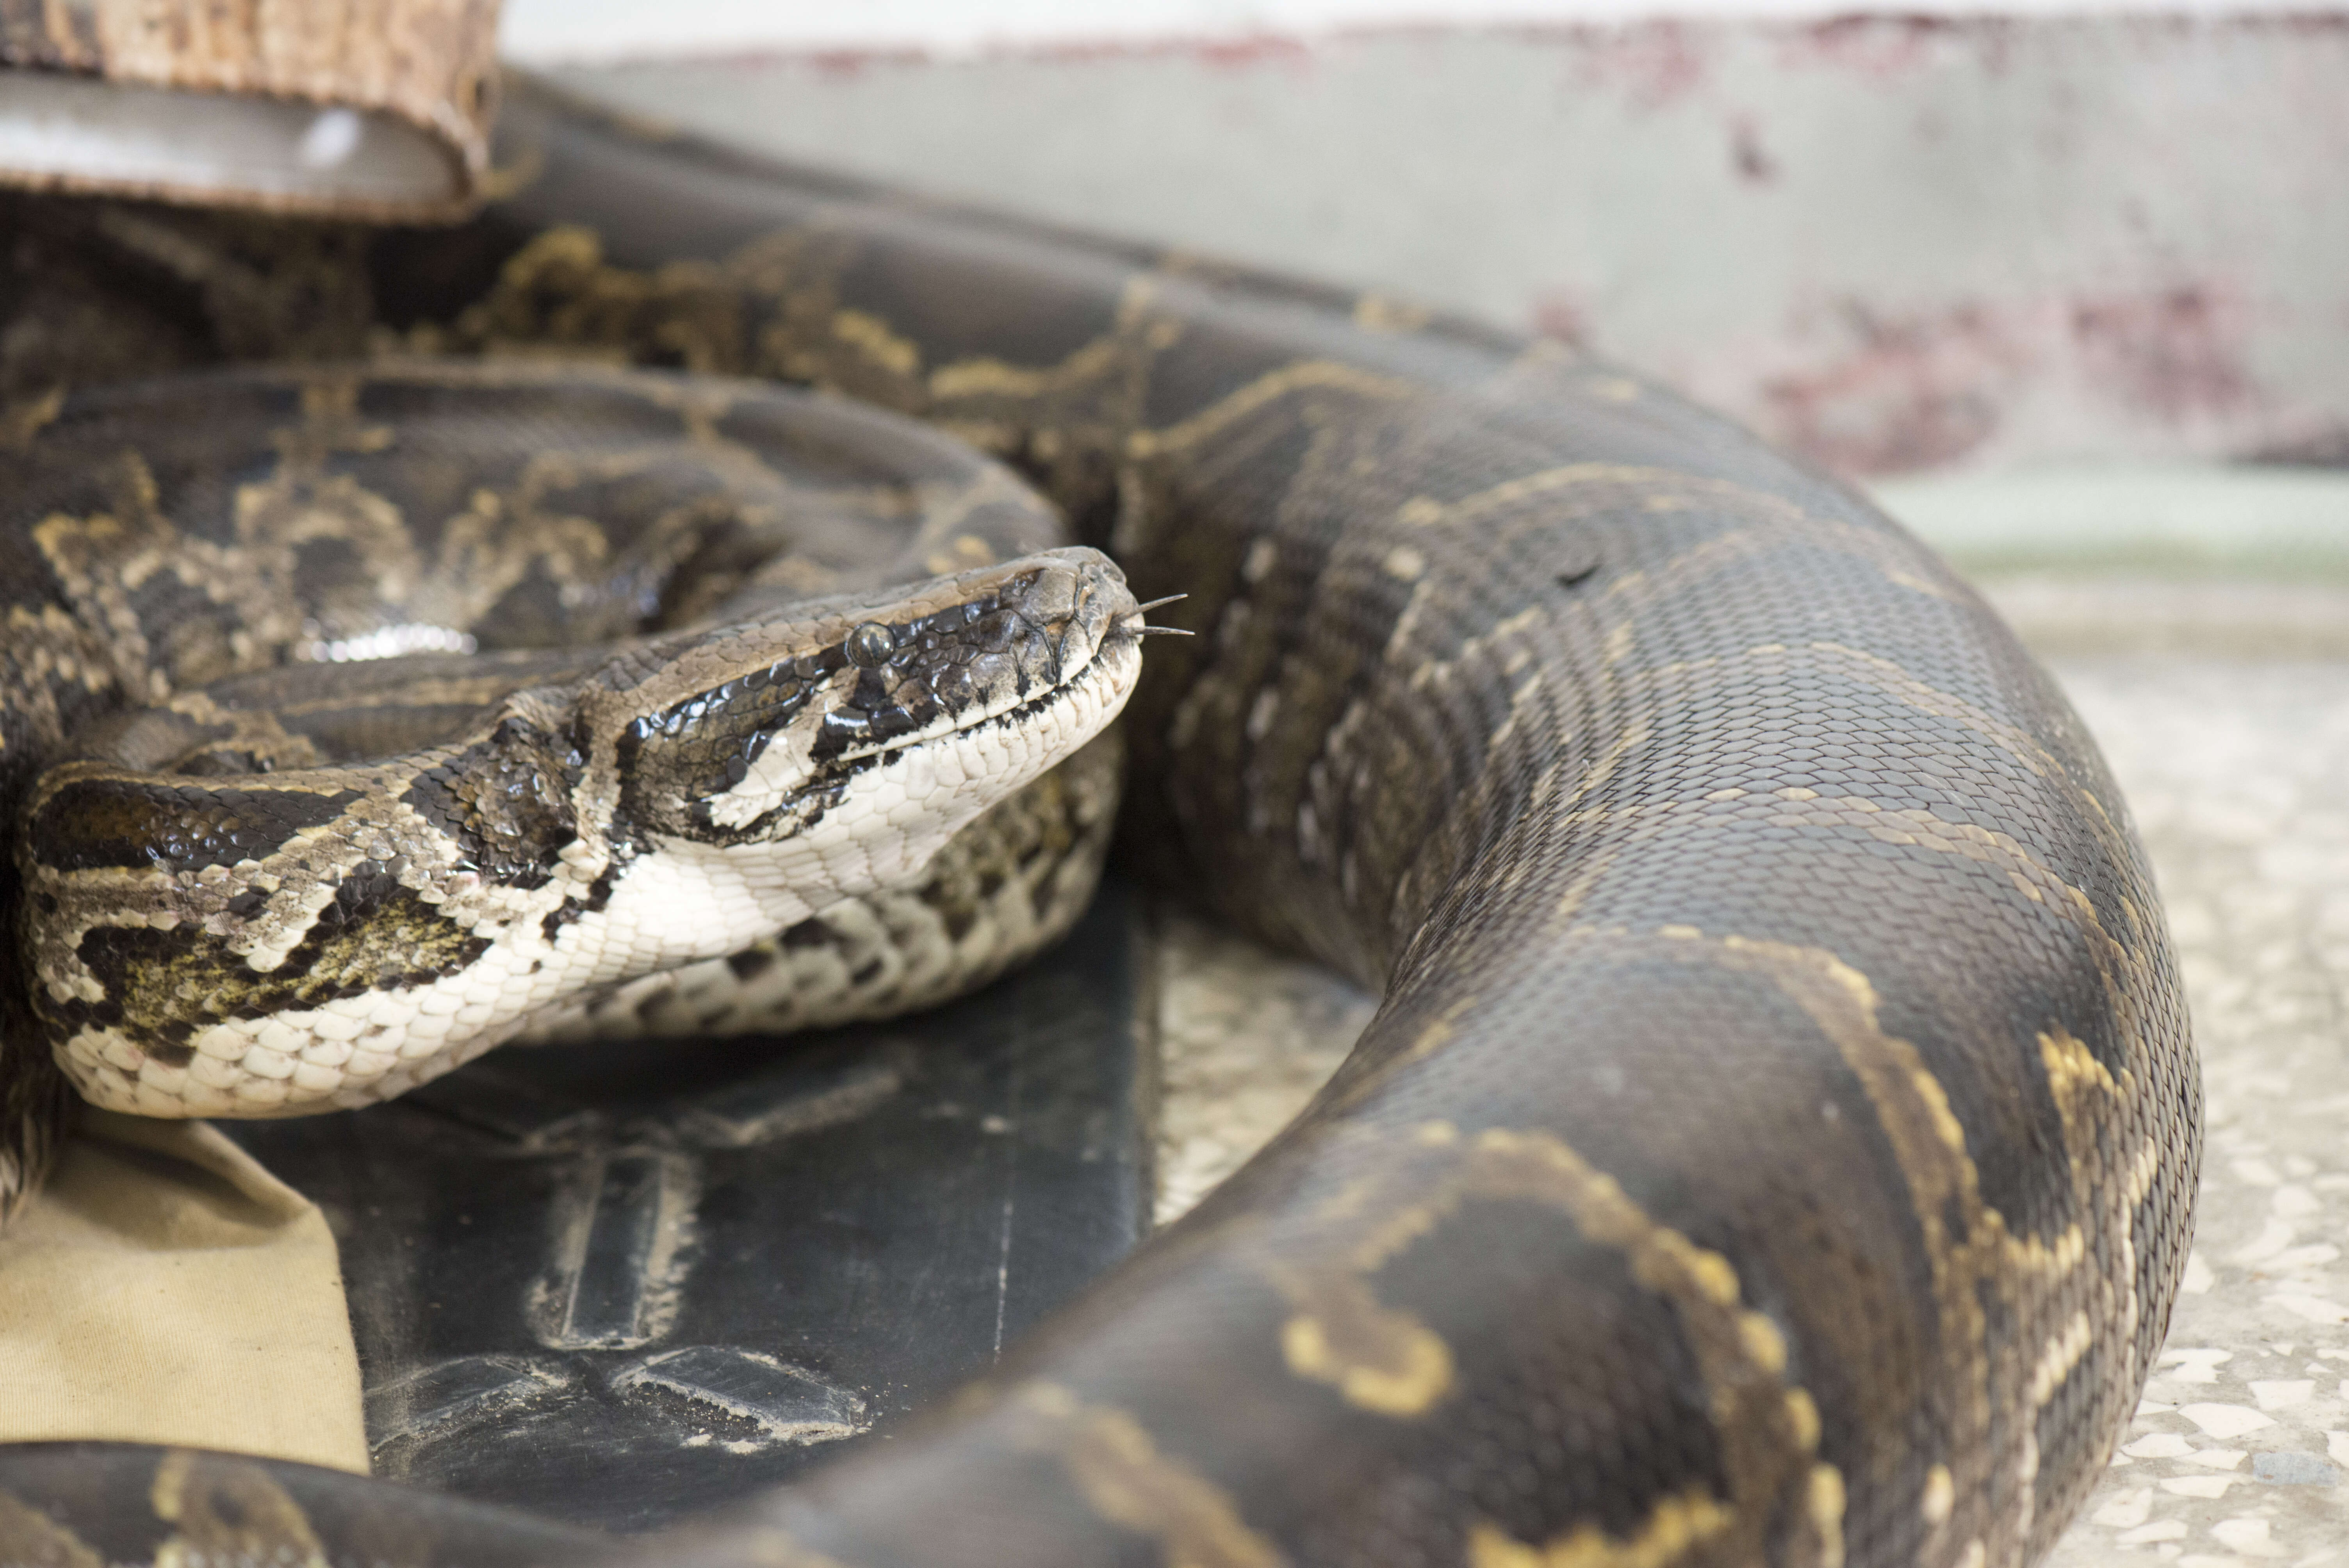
278	891
1778	1139
690	731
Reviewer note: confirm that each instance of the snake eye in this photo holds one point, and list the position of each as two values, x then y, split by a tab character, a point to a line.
870	645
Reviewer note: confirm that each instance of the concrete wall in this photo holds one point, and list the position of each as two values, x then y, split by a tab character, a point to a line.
571	31
1898	244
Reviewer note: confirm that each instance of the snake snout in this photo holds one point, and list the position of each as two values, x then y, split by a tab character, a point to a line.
1075	600
1018	632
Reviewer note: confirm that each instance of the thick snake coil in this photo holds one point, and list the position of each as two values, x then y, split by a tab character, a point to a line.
1777	1141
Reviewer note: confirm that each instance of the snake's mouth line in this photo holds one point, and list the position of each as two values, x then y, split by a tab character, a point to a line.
1069	688
1066	685
1069	684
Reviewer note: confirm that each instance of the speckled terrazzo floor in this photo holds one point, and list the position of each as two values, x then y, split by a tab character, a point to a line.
2224	710
2235	769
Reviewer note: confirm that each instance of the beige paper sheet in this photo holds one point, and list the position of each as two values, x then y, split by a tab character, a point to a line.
167	1289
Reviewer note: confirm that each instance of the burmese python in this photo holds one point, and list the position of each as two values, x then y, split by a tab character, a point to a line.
1778	1139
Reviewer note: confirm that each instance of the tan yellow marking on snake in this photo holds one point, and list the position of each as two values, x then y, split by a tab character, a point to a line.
1677	1526
1912	826
1969	1245
1894	681
1119	1468
1377	312
1386	1361
1886	676
1306	376
869	335
49	648
21	420
1824	1499
31	1537
1135	334
1404	563
261	1524
1938	1497
770	1548
1664	491
1439	1033
973	380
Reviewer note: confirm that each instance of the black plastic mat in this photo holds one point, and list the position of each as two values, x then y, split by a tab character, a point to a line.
621	1283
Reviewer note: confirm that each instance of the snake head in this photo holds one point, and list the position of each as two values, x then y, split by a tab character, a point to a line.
884	722
672	801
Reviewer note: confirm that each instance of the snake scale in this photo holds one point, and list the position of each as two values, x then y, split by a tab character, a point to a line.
1777	1140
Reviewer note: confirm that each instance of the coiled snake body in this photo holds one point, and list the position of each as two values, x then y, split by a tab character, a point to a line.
1777	1140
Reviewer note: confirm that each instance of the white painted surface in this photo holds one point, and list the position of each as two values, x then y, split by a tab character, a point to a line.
1894	244
549	31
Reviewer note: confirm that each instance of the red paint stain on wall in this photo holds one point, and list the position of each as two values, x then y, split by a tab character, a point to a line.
1239	52
1891	47
1245	51
833	65
1911	392
2176	354
1652	65
1880	392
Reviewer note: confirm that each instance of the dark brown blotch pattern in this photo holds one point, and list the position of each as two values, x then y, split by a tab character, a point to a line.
102	822
162	986
506	801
